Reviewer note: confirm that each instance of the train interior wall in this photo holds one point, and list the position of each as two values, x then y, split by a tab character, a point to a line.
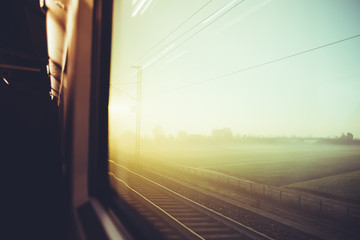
32	189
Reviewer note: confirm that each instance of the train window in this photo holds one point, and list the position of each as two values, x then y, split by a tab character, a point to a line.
237	119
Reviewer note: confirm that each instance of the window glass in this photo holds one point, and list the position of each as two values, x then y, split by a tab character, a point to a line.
264	92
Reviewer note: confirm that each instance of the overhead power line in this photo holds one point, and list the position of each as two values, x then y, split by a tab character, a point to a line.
147	54
194	34
174	30
257	65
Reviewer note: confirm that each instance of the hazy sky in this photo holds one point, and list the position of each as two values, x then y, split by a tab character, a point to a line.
311	94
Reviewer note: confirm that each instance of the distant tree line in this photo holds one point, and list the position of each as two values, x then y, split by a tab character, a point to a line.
347	139
225	135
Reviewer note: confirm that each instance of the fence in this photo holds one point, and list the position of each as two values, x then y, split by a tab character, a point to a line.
314	204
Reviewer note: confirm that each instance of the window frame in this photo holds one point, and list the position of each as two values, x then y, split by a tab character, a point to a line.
117	218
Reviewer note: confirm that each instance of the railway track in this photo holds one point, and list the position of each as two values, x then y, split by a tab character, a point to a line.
176	216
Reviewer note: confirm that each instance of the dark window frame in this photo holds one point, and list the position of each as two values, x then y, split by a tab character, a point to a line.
99	97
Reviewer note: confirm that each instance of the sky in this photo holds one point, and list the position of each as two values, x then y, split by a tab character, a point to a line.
212	64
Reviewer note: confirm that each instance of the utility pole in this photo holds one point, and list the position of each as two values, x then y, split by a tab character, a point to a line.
138	113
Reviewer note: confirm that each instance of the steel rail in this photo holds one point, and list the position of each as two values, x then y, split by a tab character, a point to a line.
193	235
259	234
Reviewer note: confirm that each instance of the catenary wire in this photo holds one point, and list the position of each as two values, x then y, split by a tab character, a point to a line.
147	54
172	31
194	34
171	42
256	66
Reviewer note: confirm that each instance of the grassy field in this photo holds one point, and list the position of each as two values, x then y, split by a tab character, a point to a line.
333	169
346	185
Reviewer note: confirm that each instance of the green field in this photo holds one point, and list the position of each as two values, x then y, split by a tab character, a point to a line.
333	169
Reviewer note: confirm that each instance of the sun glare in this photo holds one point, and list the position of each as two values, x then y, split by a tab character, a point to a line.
119	109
